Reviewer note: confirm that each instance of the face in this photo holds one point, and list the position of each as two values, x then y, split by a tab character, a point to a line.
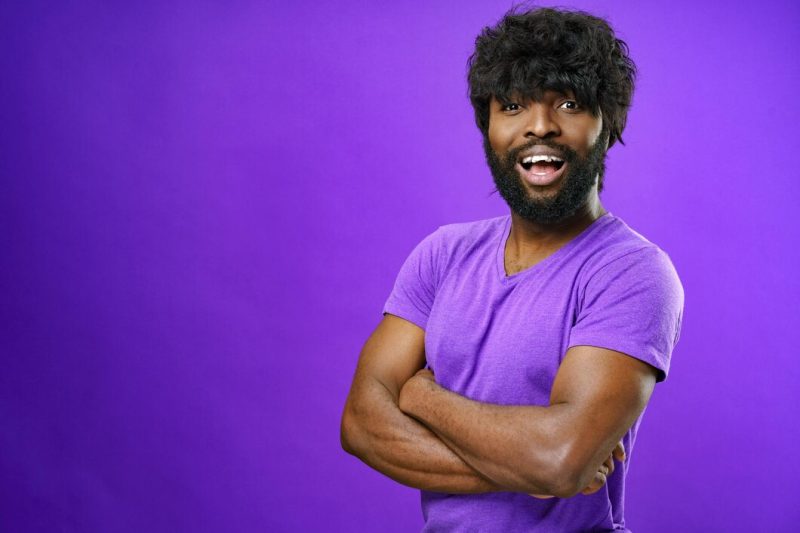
545	155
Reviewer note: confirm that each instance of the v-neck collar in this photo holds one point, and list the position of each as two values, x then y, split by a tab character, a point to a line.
501	247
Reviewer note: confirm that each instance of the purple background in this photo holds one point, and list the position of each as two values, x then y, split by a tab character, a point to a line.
204	206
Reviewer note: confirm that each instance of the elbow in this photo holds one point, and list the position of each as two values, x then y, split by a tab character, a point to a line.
565	486
346	439
357	431
574	475
561	483
349	433
562	475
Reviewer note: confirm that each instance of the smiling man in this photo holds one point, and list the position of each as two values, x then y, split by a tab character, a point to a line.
545	331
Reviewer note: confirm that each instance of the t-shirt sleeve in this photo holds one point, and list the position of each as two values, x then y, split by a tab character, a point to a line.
633	305
415	286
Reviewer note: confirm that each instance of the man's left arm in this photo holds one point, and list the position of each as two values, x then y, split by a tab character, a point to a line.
597	396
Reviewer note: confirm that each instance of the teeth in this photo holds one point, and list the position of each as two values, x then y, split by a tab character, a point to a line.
533	159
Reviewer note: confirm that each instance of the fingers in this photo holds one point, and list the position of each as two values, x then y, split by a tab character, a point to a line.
609	464
600	477
619	452
605	470
597	483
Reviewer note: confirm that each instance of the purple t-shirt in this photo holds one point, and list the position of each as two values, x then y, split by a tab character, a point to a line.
500	339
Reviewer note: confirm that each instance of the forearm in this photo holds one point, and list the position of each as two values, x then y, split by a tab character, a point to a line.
521	448
376	431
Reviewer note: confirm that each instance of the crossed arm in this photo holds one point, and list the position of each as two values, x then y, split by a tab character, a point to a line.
400	422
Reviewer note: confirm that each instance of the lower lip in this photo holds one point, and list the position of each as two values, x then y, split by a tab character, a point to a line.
541	180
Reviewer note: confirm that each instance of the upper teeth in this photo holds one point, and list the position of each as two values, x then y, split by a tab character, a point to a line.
533	159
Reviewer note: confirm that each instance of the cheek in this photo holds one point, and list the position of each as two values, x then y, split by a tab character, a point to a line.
499	137
586	134
595	129
491	136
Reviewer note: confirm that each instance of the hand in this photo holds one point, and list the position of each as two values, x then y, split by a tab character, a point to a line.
602	474
423	376
606	469
425	373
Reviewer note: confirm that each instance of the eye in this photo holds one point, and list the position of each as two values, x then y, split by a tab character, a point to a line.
510	107
570	105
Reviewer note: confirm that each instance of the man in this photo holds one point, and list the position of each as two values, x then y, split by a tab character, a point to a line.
544	332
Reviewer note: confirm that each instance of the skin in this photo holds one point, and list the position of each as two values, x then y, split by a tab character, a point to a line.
400	422
375	430
555	117
392	442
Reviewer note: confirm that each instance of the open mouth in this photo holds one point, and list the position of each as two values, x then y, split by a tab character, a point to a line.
542	165
542	170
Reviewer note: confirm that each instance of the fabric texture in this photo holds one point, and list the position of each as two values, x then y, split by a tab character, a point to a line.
500	339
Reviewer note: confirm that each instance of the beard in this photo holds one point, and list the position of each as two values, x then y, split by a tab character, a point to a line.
576	183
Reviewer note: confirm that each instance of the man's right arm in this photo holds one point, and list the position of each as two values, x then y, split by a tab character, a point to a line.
377	432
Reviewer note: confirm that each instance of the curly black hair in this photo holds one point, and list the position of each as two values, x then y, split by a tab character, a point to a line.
530	52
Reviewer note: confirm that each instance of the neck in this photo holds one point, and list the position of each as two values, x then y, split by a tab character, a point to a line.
528	236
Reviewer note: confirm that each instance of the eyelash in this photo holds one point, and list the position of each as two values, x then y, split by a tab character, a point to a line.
507	107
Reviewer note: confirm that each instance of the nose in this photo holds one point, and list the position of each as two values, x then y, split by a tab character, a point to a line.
541	122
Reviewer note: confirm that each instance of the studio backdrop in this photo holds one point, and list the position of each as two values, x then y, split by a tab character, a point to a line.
205	204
